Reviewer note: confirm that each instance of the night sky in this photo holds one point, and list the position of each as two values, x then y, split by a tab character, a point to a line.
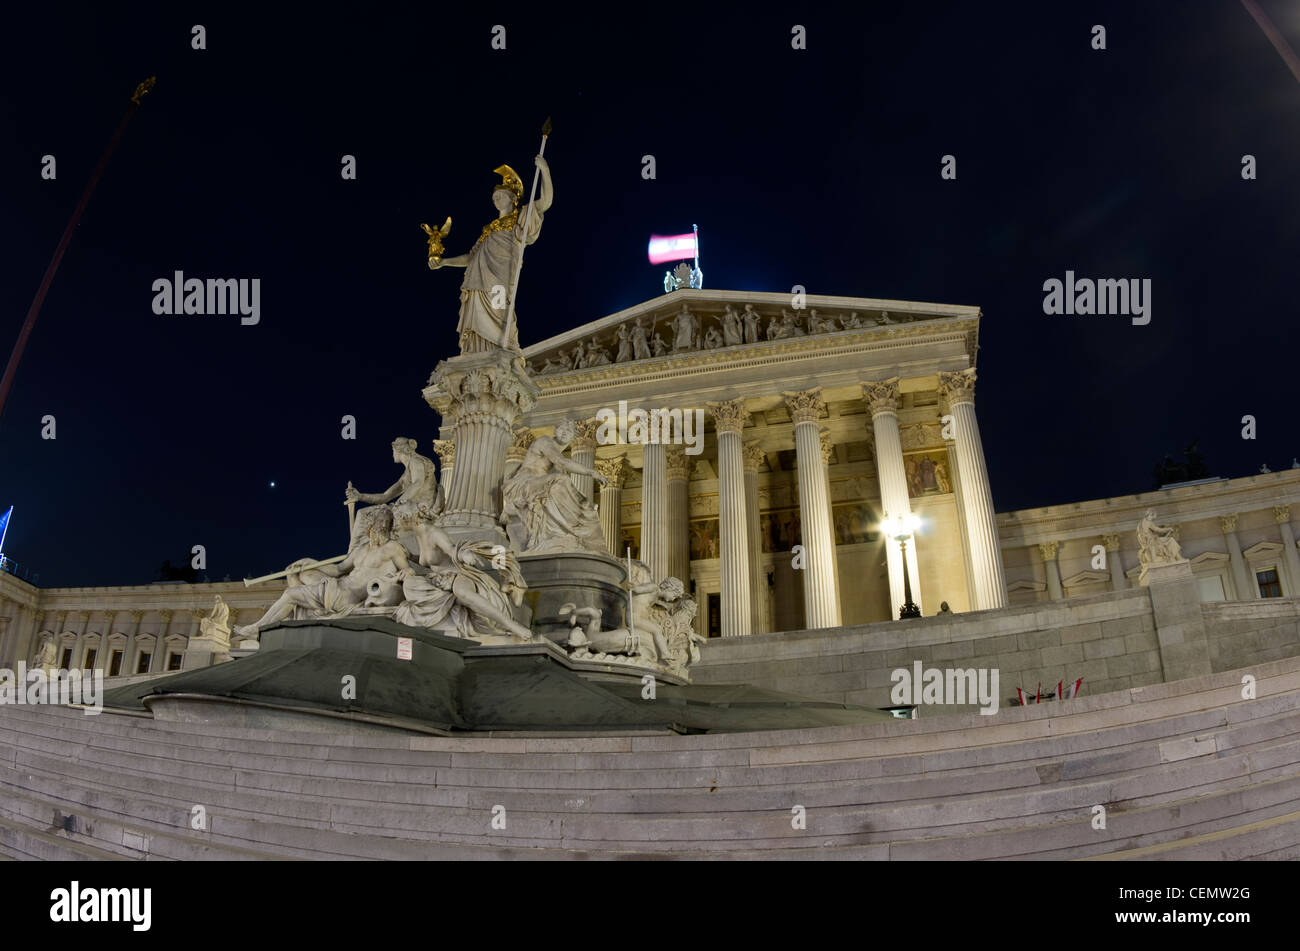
818	167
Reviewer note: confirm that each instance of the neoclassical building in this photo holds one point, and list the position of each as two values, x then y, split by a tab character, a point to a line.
814	423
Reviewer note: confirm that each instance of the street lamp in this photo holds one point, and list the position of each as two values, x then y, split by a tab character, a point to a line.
901	529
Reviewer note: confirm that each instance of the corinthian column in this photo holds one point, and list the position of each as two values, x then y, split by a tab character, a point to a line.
729	418
1118	580
678	471
654	510
882	401
487	393
446	450
611	500
583	451
958	389
821	607
760	610
1240	577
827	451
1047	551
1282	515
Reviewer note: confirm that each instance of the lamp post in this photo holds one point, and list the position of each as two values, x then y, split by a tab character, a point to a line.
901	529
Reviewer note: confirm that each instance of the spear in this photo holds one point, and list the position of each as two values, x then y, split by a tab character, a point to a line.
523	238
11	370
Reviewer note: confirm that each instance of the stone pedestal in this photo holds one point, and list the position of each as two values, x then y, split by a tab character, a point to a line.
486	394
587	579
204	652
1180	625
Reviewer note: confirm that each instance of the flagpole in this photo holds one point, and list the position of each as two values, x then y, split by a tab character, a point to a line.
5	531
11	370
523	238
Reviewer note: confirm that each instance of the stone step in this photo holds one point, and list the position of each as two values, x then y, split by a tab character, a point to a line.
736	814
55	741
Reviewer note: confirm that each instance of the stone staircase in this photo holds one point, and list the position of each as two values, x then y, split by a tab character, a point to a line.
1185	770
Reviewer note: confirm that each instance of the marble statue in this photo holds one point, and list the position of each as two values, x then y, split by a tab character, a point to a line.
751	319
820	325
596	355
216	624
790	326
542	509
732	332
773	329
640	341
490	264
624	344
560	364
1156	543
47	655
683	275
660	348
676	616
685	327
641	640
579	355
454	589
712	339
370	576
661	628
417	485
852	321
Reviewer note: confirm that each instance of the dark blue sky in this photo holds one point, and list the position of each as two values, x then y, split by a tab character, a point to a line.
817	167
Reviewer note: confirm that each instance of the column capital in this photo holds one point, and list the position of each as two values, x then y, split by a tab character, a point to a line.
166	616
584	435
615	469
881	396
805	406
754	456
676	465
446	450
523	440
137	616
1228	523
828	447
1112	542
1048	550
1281	514
957	387
729	416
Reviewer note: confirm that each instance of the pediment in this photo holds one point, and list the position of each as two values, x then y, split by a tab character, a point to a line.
1212	559
1086	577
780	327
1263	550
1023	585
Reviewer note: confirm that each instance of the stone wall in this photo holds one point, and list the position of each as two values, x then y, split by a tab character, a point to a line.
1113	641
1109	640
1252	632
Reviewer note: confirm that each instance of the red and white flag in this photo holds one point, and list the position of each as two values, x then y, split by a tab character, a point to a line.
674	247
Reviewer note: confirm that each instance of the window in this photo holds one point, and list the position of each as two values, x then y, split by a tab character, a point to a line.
142	664
65	661
91	654
115	663
1269	585
173	661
